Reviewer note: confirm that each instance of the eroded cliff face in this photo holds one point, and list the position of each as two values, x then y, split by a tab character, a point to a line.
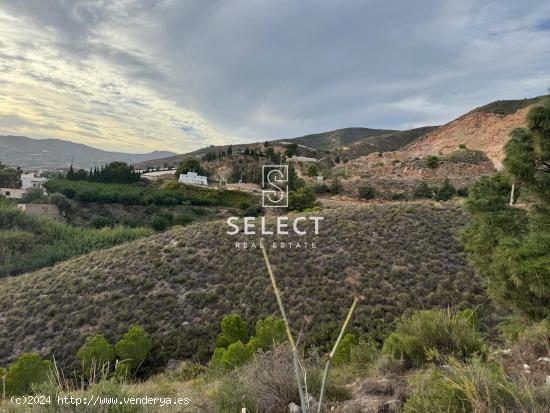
487	132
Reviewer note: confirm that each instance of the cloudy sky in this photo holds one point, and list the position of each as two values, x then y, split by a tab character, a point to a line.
139	75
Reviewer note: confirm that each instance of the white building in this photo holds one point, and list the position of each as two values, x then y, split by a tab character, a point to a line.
29	181
192	178
302	159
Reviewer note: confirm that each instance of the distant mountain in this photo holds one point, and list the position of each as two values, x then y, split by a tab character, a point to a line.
55	154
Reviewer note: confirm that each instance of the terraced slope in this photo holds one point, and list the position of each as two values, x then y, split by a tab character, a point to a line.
179	284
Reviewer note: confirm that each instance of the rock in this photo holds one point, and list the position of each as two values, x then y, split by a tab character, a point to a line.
543	359
293	408
526	367
379	387
507	352
391	406
548	380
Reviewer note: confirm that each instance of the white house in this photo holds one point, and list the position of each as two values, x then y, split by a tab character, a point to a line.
193	179
29	181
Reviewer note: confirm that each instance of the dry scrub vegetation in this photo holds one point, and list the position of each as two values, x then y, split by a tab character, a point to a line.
179	284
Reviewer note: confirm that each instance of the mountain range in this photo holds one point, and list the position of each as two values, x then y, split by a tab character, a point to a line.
58	154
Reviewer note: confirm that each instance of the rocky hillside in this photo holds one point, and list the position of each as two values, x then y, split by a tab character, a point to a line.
179	284
487	132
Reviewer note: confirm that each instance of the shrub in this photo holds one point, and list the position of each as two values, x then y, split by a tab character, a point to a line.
270	380
234	329
445	191
432	161
343	353
161	222
366	192
95	353
423	190
321	188
182	219
312	170
101	222
234	356
269	331
434	333
301	199
134	347
27	370
462	388
335	186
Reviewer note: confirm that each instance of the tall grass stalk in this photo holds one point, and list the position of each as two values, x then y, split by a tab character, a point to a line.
333	352
298	369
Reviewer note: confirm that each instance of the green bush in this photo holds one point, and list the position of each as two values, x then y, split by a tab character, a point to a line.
101	222
301	199
27	370
162	221
478	386
445	192
432	161
366	192
269	331
234	356
95	354
434	333
335	186
133	348
234	329
182	219
343	353
423	190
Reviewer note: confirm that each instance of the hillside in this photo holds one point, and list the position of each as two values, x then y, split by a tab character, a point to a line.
180	283
55	154
383	143
317	141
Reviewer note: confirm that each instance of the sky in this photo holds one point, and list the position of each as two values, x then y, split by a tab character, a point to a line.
178	75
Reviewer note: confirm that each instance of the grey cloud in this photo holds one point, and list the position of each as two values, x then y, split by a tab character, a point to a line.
265	69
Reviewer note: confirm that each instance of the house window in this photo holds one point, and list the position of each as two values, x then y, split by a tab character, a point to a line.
8	193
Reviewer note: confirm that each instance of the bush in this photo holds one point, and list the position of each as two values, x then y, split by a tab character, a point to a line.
312	170
432	161
27	370
161	222
269	331
301	199
343	353
234	356
321	189
182	219
101	222
95	354
366	192
133	348
463	388
234	329
432	334
335	186
445	192
423	190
